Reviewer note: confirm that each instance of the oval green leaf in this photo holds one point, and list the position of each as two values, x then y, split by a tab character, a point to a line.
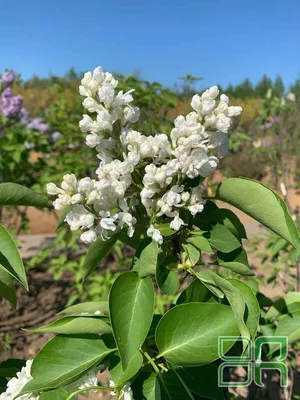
10	259
187	335
13	194
172	387
236	261
289	327
196	292
131	302
222	239
252	306
119	376
145	259
262	204
7	287
75	326
202	381
89	307
235	299
56	394
64	359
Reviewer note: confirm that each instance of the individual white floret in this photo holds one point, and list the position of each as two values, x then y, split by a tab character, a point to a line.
176	223
80	218
131	114
155	234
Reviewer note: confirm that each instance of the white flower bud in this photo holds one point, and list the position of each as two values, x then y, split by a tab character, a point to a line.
86	123
88	237
53	190
92	140
77	198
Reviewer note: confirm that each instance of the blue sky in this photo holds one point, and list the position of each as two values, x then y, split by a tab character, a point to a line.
222	40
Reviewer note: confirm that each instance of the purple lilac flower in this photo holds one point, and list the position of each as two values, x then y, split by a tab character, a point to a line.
24	115
55	136
7	79
10	105
38	124
271	121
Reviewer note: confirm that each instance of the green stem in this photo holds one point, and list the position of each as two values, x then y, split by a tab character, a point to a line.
70	397
151	361
192	272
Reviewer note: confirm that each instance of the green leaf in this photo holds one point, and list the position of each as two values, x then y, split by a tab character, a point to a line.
10	259
201	243
262	204
151	389
57	394
172	387
207	280
165	229
131	303
230	220
146	258
235	299
278	246
222	239
3	384
89	307
288	326
236	261
288	304
294	254
75	326
119	376
7	287
192	252
202	381
166	277
187	335
195	292
252	307
97	252
134	241
18	195
64	359
10	367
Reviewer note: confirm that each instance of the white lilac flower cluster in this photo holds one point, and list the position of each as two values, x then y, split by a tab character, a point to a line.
16	384
137	170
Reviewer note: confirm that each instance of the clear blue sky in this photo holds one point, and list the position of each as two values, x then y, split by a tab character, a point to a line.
222	40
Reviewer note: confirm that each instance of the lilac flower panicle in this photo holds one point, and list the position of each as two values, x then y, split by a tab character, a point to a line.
10	105
7	79
38	124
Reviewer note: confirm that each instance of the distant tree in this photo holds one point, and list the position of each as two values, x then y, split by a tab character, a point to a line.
262	86
295	88
189	81
71	75
244	89
278	86
230	91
